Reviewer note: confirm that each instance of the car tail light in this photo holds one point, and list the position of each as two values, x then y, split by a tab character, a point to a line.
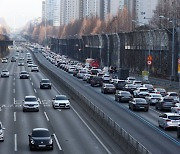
168	120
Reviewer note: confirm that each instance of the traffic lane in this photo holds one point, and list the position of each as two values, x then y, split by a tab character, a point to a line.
28	120
7	110
81	133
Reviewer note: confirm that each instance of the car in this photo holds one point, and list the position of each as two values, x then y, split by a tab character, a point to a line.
169	120
4	60
130	88
153	98
137	83
106	78
34	68
13	59
61	101
149	87
161	91
176	108
4	73
139	104
81	73
137	92
119	84
20	63
40	138
30	64
1	132
130	79
23	75
174	95
45	84
178	131
30	103
123	96
96	81
165	104
108	88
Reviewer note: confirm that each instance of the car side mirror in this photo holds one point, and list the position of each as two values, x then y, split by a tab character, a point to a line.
53	98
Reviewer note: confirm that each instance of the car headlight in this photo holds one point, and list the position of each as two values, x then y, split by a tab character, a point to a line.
50	141
32	141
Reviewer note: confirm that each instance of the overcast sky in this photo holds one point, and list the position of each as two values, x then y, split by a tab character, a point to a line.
18	12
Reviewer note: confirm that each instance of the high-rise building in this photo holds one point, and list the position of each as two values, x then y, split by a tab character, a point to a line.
56	13
49	11
43	12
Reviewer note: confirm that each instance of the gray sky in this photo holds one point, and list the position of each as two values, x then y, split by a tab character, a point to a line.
18	12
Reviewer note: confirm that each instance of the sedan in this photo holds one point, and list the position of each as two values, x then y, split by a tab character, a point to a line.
153	98
139	104
30	103
169	120
34	68
40	138
124	96
60	101
160	91
4	73
108	88
165	104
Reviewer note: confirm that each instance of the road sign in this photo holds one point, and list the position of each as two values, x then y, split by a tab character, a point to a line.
149	58
149	62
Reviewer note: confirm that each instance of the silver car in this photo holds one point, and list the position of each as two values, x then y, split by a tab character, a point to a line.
1	132
169	120
30	103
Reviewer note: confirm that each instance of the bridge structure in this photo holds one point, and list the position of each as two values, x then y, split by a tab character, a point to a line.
130	50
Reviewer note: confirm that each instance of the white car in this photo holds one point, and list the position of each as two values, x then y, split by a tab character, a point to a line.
1	132
139	90
153	98
4	60
30	103
169	120
130	79
60	101
176	108
106	78
5	73
137	83
174	95
34	68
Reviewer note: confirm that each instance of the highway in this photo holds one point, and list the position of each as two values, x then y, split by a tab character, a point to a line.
74	132
141	125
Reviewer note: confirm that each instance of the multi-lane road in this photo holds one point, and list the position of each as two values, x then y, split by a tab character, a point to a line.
141	125
74	132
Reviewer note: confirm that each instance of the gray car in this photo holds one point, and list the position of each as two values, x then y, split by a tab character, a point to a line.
139	104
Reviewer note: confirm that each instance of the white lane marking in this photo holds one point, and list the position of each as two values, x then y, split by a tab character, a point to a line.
35	91
14	116
14	78
0	109
46	116
59	109
14	101
15	142
156	111
58	144
13	83
14	91
92	132
39	101
32	83
29	78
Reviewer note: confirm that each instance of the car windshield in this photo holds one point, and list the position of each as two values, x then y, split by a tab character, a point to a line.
110	86
140	100
45	81
30	99
149	86
168	100
161	90
174	117
173	94
23	72
40	133
4	71
156	95
61	98
126	93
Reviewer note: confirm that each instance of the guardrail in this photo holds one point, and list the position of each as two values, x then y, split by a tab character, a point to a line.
129	144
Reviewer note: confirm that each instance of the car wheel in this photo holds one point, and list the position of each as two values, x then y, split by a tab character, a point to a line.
30	147
24	110
164	127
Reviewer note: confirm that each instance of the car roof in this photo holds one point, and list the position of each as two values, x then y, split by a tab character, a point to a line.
30	96
45	79
171	114
38	129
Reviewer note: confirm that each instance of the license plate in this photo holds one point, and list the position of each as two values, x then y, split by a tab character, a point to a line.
141	107
42	145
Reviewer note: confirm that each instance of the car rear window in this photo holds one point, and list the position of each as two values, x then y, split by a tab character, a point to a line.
174	117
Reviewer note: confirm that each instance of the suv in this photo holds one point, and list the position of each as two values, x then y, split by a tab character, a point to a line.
30	103
60	101
45	83
1	132
24	75
34	68
4	73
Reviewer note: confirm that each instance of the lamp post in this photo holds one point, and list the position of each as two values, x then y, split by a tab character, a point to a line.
172	44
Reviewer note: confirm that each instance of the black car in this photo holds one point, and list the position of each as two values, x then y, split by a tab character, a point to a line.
13	59
124	96
130	88
40	138
45	84
96	81
24	75
139	104
108	88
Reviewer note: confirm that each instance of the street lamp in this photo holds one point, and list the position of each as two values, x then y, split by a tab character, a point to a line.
173	43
